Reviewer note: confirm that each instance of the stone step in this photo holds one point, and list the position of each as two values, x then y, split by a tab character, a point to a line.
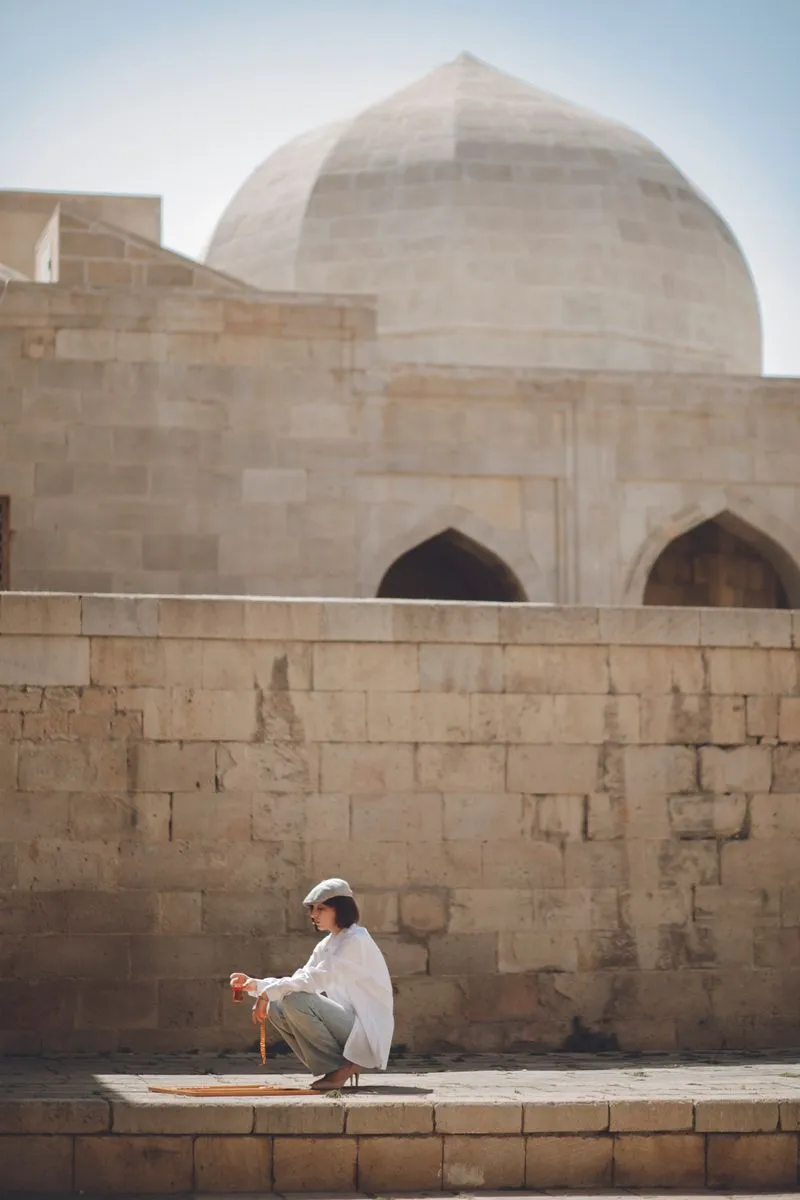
371	1142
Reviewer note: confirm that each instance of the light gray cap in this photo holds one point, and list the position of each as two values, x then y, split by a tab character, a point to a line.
327	890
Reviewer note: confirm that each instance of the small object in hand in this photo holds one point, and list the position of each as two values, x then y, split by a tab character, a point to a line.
238	995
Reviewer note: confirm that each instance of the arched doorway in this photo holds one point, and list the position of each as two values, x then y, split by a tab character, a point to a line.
450	566
722	563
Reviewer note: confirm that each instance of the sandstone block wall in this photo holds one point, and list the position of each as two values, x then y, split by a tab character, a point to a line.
568	827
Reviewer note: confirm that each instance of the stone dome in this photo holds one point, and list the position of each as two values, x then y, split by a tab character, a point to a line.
499	225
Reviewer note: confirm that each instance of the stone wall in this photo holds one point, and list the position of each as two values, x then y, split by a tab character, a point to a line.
567	826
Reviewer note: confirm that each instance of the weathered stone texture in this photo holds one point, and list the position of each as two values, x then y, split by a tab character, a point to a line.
166	802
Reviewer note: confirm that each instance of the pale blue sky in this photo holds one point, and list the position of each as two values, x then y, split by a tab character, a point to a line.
184	97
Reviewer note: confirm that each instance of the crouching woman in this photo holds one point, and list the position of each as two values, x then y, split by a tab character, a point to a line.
336	1012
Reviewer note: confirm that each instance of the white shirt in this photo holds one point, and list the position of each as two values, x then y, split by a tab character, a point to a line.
350	969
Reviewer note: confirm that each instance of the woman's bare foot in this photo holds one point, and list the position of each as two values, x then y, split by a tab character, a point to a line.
337	1079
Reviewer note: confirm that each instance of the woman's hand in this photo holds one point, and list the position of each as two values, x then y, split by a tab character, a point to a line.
240	980
261	1010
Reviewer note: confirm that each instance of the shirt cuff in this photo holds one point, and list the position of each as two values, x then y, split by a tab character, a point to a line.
263	987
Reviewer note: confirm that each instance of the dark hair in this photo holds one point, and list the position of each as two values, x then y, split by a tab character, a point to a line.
346	910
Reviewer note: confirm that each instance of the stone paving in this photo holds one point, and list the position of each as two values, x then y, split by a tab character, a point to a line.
767	1076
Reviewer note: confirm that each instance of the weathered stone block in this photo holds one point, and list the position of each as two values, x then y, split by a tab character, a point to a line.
541	625
313	1164
365	667
650	626
382	1118
483	817
35	1164
302	1116
172	768
388	1164
119	616
444	864
745	627
44	661
642	671
762	716
707	816
739	672
774	815
595	864
418	717
211	817
70	767
173	1115
537	952
54	1115
568	1162
659	1160
442	623
317	717
552	769
194	715
232	1164
190	617
391	817
650	1116
740	769
736	1116
483	1162
116	1163
463	954
35	614
489	1117
657	770
370	768
576	1116
275	766
476	910
746	906
423	911
556	669
461	768
555	818
515	864
752	1160
461	668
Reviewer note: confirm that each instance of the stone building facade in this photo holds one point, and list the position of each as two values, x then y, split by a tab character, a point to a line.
557	377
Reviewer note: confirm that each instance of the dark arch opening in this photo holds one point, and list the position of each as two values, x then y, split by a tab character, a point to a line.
450	566
724	563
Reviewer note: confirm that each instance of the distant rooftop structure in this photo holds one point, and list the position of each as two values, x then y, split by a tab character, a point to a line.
501	225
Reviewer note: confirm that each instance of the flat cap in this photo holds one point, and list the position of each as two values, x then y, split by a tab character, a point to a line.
327	890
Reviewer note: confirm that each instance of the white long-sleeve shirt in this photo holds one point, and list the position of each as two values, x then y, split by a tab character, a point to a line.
350	969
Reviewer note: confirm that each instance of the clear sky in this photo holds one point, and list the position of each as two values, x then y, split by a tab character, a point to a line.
183	98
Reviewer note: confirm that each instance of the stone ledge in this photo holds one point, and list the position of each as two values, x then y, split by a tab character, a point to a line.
29	1116
367	620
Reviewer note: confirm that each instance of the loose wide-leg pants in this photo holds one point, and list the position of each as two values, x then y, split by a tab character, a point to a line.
315	1027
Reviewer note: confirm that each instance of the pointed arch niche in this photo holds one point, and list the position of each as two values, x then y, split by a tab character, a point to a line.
450	566
721	561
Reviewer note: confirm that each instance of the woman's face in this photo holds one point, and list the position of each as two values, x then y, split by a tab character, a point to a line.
323	918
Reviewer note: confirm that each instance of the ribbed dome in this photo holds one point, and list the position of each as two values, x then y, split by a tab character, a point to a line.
500	225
